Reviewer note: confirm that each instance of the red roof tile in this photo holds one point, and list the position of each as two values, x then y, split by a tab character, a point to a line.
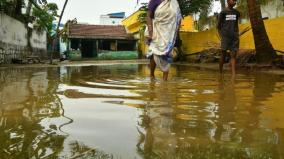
85	31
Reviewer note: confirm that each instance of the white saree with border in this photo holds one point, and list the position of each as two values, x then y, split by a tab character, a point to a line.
166	23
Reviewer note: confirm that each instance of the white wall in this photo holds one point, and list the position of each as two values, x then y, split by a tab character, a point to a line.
13	40
12	31
39	40
273	9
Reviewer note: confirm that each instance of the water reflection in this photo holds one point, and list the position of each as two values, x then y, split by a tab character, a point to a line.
227	106
116	111
28	105
216	118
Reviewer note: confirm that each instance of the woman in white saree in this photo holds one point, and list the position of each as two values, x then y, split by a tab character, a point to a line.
162	27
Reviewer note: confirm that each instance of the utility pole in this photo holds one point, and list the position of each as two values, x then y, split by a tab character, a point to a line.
57	31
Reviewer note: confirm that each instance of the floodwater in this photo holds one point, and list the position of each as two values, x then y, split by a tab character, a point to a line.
116	111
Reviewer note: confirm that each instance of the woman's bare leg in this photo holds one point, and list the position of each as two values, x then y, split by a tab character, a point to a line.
152	67
165	76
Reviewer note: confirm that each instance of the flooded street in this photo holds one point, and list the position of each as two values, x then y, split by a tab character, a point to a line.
116	111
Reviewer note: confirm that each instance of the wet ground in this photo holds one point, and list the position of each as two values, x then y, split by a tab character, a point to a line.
116	111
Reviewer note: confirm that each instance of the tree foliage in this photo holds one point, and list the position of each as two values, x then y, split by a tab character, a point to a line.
242	6
45	16
64	32
142	17
12	8
42	12
188	7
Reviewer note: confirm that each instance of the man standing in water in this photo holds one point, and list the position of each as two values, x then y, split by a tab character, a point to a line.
228	30
163	21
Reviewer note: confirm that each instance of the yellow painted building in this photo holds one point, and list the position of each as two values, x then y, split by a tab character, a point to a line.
194	41
133	26
197	41
187	24
131	23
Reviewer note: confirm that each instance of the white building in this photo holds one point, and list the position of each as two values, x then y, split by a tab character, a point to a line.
112	18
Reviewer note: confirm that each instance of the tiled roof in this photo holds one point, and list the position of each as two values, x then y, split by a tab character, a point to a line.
85	31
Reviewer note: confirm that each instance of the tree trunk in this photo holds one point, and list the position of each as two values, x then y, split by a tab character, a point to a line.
62	12
18	8
29	34
265	53
223	4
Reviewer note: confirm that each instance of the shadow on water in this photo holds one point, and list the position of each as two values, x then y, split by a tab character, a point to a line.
116	111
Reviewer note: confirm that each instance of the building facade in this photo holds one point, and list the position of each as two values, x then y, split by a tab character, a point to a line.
112	18
90	40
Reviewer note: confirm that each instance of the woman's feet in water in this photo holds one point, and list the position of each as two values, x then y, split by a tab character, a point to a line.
165	76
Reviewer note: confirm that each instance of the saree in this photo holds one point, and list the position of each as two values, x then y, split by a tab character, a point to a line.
166	22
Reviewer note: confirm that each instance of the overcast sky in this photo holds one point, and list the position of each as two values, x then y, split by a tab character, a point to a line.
89	11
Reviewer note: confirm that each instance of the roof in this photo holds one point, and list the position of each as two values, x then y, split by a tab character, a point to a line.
86	31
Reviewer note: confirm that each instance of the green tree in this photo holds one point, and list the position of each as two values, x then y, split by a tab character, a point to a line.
38	12
12	8
142	18
45	16
242	6
204	19
189	7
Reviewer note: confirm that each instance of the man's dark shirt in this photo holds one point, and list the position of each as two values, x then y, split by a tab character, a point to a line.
228	23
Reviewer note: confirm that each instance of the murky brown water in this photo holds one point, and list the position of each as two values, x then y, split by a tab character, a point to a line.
116	111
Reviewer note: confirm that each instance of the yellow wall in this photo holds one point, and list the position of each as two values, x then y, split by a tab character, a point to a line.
197	41
131	23
187	24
